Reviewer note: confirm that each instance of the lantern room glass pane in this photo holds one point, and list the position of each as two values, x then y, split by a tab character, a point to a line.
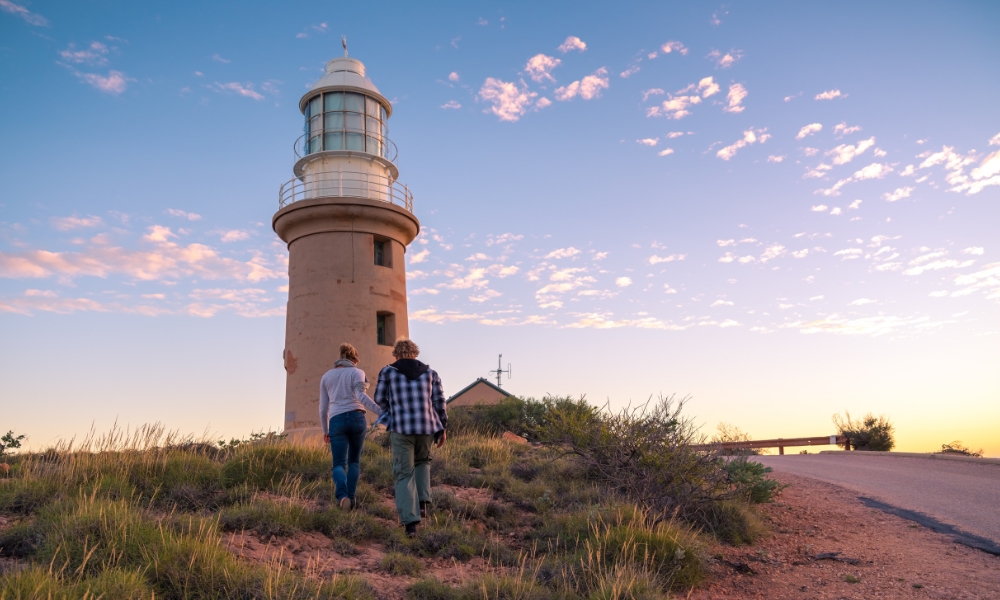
374	147
371	125
316	124
334	101
315	145
355	122
356	141
315	106
371	107
333	141
382	112
355	102
334	121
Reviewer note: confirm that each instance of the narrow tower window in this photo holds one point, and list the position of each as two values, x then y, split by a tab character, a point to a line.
385	328
379	253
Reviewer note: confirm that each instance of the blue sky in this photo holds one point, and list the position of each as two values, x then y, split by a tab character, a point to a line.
781	211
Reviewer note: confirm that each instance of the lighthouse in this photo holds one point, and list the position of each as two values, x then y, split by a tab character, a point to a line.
347	221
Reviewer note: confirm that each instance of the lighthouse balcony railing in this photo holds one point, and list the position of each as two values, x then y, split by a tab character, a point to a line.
345	139
345	184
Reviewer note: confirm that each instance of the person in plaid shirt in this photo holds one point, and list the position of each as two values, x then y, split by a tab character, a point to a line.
410	395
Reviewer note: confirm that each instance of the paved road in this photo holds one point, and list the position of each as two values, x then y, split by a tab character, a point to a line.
957	493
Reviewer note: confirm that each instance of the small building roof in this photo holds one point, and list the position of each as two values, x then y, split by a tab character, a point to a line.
474	384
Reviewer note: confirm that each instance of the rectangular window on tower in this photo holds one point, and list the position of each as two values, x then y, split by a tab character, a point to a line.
383	252
385	328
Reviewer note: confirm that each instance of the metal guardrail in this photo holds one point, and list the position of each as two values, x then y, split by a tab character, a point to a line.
780	443
382	145
345	184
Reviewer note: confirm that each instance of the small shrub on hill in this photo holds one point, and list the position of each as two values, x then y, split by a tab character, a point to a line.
957	447
868	433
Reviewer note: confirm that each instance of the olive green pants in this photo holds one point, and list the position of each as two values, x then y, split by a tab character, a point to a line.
411	467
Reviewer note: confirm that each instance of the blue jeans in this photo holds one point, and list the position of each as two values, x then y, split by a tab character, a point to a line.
347	436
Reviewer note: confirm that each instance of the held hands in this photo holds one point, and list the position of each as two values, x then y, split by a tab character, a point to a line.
440	439
326	438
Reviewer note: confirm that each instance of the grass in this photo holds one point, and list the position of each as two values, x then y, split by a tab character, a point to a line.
144	514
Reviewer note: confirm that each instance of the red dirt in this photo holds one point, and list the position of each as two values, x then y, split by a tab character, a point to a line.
896	556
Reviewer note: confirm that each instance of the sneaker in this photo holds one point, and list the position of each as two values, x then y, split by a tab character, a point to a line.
345	503
411	529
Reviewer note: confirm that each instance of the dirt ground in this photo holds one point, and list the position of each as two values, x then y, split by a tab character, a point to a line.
895	558
880	555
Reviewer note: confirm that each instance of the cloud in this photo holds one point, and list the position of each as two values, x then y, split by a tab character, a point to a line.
830	95
486	295
735	96
720	303
676	107
629	72
899	194
775	159
724	243
844	153
724	61
872	171
862	302
674	46
166	260
115	83
772	252
572	43
246	91
451	104
173	212
95	54
809	130
453	76
665	152
540	67
431	315
587	88
648	141
235	235
505	238
820	208
623	282
219	59
975	250
563	253
749	137
28	16
508	101
874	326
476	278
841	129
651	92
419	257
716	19
68	223
655	260
854	205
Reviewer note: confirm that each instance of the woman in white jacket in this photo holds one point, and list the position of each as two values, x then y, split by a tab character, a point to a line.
342	404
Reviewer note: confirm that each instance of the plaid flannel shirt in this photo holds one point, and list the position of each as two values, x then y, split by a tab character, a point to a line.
411	407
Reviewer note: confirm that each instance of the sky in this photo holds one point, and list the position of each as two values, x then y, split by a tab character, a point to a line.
779	212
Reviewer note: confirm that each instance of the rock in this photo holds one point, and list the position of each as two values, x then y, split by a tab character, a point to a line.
514	438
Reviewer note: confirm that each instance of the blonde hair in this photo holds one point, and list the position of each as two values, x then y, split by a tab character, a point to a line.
347	351
405	348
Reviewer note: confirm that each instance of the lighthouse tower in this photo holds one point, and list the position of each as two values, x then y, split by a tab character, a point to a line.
347	222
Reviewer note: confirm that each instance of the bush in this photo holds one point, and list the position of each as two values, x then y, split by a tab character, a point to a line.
9	441
395	563
869	433
726	433
750	480
957	447
265	465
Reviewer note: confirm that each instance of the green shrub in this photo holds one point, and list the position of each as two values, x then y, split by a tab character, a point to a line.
266	517
395	563
868	433
432	589
26	494
749	478
734	522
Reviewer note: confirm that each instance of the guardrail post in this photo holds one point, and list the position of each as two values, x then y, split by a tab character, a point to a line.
781	449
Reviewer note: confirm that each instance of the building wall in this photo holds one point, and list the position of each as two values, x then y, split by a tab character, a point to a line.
336	291
479	394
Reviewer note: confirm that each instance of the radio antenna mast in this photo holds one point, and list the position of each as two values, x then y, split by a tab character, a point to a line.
500	370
